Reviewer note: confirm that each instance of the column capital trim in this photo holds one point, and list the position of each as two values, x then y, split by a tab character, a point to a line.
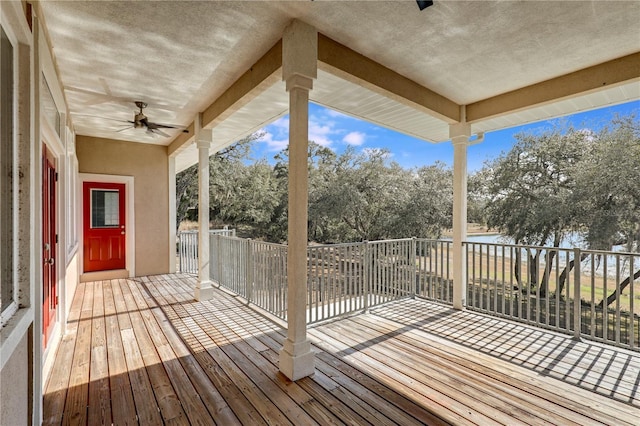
459	130
204	138
299	81
299	50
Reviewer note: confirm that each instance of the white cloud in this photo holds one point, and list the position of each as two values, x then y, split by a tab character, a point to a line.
281	123
320	133
322	130
274	145
354	138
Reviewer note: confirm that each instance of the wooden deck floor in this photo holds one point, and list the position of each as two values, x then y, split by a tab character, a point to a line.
142	351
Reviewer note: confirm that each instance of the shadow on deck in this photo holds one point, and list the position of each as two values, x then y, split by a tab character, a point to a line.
143	351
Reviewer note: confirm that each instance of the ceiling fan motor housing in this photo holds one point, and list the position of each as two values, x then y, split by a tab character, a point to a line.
138	120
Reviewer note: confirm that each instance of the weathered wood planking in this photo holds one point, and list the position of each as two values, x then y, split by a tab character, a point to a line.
58	383
142	351
122	403
99	409
75	409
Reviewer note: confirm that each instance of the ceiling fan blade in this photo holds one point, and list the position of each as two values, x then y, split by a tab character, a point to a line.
102	118
156	126
160	132
124	128
166	126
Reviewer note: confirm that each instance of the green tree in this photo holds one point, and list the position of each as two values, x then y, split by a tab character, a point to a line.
428	203
529	191
187	180
607	196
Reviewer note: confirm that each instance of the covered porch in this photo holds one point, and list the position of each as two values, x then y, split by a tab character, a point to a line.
207	73
144	351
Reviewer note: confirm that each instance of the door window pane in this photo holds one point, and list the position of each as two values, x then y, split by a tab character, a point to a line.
105	208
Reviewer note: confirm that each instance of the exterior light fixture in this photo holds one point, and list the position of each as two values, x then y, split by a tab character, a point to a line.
424	4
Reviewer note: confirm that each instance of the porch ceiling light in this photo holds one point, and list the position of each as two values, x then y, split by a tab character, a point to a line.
424	4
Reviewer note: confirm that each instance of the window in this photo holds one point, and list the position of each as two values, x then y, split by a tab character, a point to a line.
48	106
105	208
72	173
7	161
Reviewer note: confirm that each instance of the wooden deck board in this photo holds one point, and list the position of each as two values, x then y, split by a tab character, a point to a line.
75	409
58	382
99	404
120	385
142	351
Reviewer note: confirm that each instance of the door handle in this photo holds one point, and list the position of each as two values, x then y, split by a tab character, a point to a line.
51	261
122	233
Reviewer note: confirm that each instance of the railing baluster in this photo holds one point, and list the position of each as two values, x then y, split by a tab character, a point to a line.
577	305
618	292
605	307
593	295
472	284
502	279
632	322
495	279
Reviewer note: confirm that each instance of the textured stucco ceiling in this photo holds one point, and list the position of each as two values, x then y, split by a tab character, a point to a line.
180	56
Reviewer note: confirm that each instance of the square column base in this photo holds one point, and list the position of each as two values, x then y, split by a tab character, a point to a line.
203	291
297	366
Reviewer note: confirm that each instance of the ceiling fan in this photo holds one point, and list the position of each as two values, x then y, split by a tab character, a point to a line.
140	121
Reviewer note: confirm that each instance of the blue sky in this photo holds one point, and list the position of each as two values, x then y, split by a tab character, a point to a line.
337	131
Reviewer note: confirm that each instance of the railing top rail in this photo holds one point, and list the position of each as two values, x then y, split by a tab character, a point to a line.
397	240
229	237
517	246
434	240
267	243
322	246
586	251
230	230
610	253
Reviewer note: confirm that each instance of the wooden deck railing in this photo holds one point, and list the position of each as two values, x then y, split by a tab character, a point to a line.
587	293
536	285
342	279
187	242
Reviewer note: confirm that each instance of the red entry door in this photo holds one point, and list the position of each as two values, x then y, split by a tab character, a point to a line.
49	242
104	226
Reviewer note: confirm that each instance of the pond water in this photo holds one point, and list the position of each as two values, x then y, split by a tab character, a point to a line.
615	264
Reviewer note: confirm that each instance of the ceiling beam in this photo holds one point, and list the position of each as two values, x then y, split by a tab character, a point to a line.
259	77
603	76
352	66
181	141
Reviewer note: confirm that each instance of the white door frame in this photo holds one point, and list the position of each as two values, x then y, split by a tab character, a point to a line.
130	261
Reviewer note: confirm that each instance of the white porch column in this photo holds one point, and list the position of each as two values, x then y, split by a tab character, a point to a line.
459	134
172	215
204	289
299	68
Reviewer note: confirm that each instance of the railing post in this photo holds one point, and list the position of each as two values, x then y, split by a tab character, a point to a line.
577	305
249	271
179	241
365	275
414	269
219	260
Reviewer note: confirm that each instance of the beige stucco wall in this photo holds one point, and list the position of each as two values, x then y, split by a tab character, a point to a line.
149	166
14	386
